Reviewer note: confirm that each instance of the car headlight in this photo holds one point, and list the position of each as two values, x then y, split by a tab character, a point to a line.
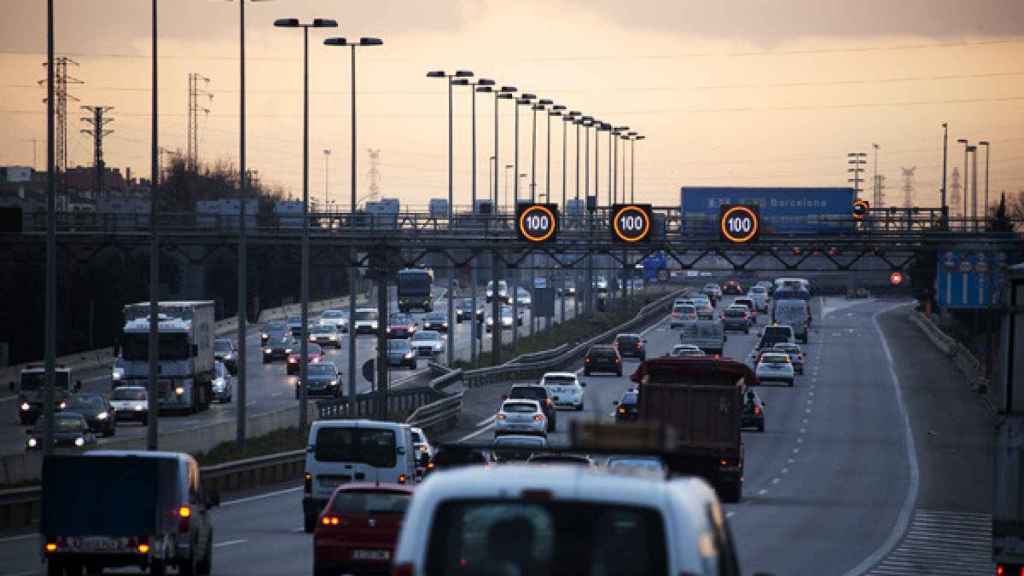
312	338
268	351
218	384
490	321
116	375
179	390
32	443
332	383
139	407
333	337
287	350
79	441
25	407
264	335
408	355
102	416
63	404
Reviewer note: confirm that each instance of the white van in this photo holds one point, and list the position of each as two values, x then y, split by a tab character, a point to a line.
348	451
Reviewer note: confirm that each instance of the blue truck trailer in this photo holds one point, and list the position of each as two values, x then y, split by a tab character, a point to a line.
783	210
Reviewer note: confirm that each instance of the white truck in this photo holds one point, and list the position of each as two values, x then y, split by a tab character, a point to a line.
186	335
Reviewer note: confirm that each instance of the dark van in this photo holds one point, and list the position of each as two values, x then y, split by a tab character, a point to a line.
108	509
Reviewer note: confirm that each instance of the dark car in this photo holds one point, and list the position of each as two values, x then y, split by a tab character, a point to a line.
400	353
602	359
98	412
631	346
272	331
753	412
224	350
540	394
295	326
314	355
324	380
455	456
401	326
279	348
462	310
626	408
736	318
732	286
357	532
437	321
70	430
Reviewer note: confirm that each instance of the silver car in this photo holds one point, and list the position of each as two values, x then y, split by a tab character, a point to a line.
520	417
336	318
427	343
130	403
222	384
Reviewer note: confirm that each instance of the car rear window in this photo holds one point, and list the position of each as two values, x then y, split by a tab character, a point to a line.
375	447
775	358
745	302
629	340
555	537
127	394
519	407
559	380
361	502
529	393
735	313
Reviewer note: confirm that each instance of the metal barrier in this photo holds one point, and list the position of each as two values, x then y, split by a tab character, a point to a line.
438	416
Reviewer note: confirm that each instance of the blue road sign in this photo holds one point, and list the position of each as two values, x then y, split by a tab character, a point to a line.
968	279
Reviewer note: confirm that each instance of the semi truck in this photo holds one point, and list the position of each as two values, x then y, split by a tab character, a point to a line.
414	290
185	355
700	400
32	391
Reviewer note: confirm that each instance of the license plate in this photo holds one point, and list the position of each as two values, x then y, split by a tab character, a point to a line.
97	544
371	555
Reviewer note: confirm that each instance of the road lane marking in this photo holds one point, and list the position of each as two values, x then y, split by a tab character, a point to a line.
907	508
29	573
20	537
261	496
785	470
775	480
796	450
475	433
229	543
790	461
762	492
485	421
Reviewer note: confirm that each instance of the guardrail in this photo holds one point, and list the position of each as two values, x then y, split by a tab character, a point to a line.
970	366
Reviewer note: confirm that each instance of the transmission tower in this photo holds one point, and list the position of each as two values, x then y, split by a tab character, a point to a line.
954	187
374	175
97	129
856	162
908	186
61	80
194	108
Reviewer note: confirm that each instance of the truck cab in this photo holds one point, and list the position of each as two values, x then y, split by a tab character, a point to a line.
32	391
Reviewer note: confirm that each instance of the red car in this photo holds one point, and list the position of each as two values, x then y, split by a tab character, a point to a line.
357	532
732	287
401	326
314	355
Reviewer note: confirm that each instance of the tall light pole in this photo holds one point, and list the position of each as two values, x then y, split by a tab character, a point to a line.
876	185
974	186
987	146
153	348
508	167
450	351
353	377
539	107
945	154
556	111
567	117
304	334
50	336
967	186
327	157
523	100
505	93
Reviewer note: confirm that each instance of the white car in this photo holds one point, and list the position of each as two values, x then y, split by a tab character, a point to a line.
775	367
520	417
130	403
336	318
565	389
117	371
686	351
513	522
365	321
759	294
427	343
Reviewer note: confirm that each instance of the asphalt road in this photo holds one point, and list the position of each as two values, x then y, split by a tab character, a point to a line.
826	484
269	387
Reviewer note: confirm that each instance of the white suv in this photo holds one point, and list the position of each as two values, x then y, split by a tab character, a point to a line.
336	318
565	389
519	522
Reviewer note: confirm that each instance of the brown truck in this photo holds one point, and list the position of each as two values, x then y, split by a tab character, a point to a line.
700	402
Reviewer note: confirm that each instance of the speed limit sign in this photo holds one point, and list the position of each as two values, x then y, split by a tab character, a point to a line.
739	223
537	222
631	223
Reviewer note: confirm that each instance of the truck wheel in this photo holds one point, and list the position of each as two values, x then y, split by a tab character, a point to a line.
732	492
188	567
206	564
618	372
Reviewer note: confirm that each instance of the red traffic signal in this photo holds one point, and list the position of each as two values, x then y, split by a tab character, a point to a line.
896	278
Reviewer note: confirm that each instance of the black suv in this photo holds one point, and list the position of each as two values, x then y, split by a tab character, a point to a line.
631	346
626	409
540	394
602	359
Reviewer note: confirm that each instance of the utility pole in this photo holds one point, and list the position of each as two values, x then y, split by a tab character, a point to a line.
856	162
908	186
877	197
98	129
61	80
327	159
194	108
945	160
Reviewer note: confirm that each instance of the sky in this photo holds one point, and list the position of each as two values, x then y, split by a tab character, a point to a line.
738	93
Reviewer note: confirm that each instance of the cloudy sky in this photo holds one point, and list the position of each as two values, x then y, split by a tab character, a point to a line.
744	92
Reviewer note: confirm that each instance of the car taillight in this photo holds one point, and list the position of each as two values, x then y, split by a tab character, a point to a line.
587	360
622	410
406	569
757	410
618	360
500	417
402	478
329	520
184	513
52	547
1000	570
143	548
307	483
724	462
537	417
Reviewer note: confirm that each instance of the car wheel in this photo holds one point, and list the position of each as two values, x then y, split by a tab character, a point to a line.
145	420
618	372
746	331
586	372
205	565
790	382
110	432
266	360
580	407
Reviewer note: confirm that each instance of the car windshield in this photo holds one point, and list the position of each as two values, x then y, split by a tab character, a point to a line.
401	320
68	423
515	441
559	380
31	381
322	370
87	402
480	537
400	345
758	289
519	407
629	398
426	335
644	463
222	346
528	392
323	329
372	446
735	312
744	302
333	314
775	358
128	394
365	502
295	321
366	315
627	340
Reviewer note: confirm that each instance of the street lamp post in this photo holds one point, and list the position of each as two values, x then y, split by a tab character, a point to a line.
353	377
945	154
450	352
967	149
50	311
327	157
505	93
304	344
153	348
508	167
987	146
974	187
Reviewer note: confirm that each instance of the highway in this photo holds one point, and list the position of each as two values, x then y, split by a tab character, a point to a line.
831	486
269	387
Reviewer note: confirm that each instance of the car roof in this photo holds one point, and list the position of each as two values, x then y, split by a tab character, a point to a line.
373	487
766	355
559	374
157	455
360	423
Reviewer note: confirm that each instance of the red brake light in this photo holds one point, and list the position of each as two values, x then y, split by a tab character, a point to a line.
402	478
537	417
330	520
1000	571
500	417
183	513
757	410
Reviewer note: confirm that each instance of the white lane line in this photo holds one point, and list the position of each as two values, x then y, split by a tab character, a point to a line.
796	450
29	573
907	508
775	480
803	430
20	537
800	440
8	398
785	470
297	530
790	461
261	496
762	492
475	433
250	403
276	394
807	411
485	421
730	513
805	420
229	543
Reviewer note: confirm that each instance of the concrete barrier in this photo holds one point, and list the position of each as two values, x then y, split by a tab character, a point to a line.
962	358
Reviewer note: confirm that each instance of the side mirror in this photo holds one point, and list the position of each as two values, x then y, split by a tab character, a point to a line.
615	402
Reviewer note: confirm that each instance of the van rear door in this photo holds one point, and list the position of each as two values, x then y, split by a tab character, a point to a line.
351	453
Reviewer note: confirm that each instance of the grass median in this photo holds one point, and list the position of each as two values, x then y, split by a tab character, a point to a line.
283	440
